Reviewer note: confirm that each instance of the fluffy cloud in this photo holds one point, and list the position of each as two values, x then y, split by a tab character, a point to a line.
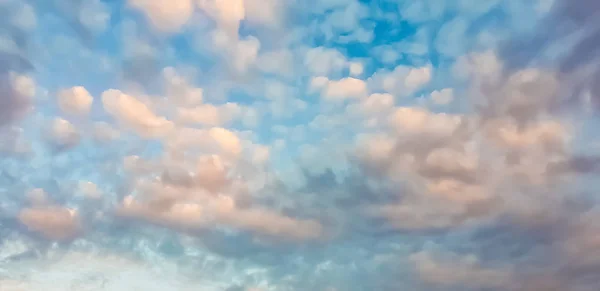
89	190
402	81
227	13
208	114
442	97
322	61
213	140
372	105
54	223
198	199
167	16
417	121
134	114
179	90
76	100
63	133
339	89
18	91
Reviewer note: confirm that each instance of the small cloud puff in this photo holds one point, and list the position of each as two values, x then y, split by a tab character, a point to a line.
52	222
63	134
76	101
346	88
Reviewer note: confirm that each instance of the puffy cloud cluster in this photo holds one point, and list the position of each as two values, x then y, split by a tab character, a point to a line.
208	191
284	145
402	81
340	89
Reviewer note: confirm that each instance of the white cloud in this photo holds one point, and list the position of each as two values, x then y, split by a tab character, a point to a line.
89	190
24	85
346	88
240	54
246	53
179	90
356	69
63	133
166	15
167	207
322	61
277	62
76	100
402	81
414	121
104	132
265	12
259	139
228	145
226	139
374	104
416	78
442	97
269	223
134	114
55	223
544	135
228	13
212	115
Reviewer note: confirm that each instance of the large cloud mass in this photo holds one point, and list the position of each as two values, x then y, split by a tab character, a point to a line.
299	145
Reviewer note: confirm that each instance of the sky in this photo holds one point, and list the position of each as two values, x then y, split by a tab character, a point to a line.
333	145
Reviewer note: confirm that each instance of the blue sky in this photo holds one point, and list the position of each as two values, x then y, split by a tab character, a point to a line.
299	145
